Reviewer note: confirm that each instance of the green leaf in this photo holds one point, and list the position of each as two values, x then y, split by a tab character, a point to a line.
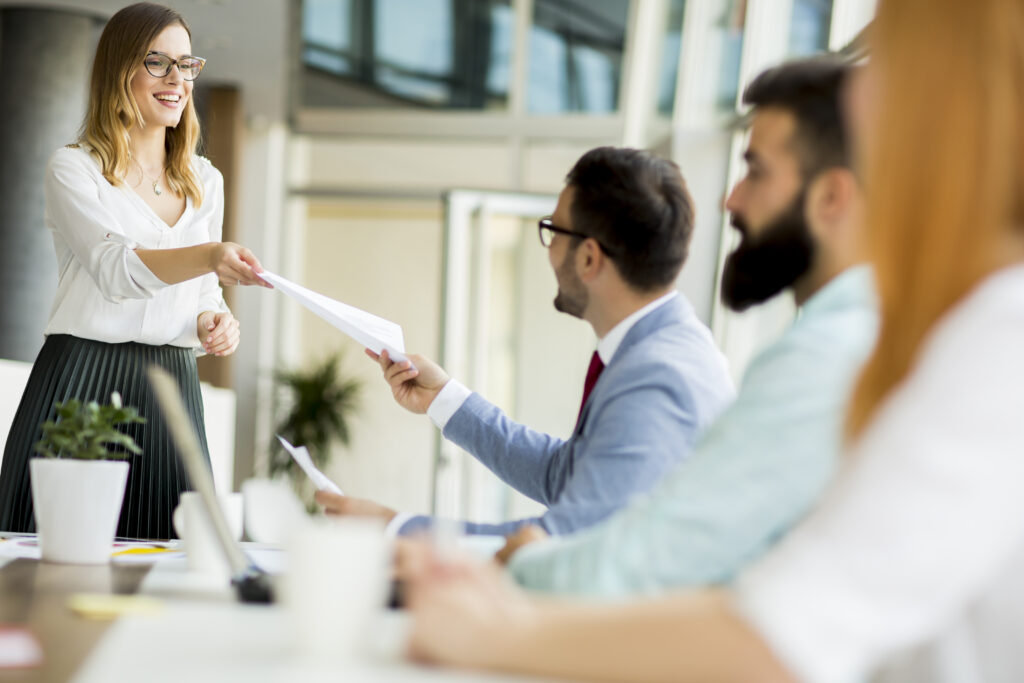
85	431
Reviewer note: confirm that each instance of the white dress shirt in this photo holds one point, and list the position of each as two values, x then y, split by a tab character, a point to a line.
105	292
914	560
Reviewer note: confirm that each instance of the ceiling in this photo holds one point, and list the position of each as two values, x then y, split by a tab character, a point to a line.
245	43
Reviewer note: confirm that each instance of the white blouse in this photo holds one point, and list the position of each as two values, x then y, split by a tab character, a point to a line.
912	567
105	292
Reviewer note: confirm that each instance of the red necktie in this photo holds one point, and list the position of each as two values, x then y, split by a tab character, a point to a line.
593	372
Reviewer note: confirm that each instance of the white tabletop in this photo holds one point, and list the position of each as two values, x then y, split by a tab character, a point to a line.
202	634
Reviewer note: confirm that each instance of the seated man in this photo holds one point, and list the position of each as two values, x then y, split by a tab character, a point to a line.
763	464
617	240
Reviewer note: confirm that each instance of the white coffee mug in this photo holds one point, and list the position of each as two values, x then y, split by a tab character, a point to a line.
272	510
338	575
202	548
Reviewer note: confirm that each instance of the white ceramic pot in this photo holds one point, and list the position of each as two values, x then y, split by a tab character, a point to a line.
77	505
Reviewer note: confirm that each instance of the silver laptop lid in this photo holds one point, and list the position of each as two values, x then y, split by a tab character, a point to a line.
169	397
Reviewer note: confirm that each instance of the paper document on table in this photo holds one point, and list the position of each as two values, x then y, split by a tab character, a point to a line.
373	332
301	457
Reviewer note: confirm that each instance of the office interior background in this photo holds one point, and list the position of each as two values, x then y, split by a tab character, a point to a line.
395	155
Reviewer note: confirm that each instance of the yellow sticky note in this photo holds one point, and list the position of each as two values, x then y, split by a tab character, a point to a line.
104	606
144	551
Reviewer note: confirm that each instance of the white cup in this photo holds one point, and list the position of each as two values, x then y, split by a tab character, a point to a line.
202	548
337	578
272	510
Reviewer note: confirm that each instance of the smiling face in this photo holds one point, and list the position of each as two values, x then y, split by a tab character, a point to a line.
162	100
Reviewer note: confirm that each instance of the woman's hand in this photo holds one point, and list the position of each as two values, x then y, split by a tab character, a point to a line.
218	333
235	265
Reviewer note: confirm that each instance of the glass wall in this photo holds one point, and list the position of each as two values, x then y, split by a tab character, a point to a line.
576	49
668	75
809	26
458	54
437	53
729	31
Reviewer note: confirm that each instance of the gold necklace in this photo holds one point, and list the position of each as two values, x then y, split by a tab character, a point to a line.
156	186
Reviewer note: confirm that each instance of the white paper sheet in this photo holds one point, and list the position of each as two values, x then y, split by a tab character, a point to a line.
121	552
301	456
373	332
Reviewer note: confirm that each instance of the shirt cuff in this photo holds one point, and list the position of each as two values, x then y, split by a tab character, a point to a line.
447	402
396	524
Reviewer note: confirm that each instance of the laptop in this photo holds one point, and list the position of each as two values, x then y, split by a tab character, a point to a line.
251	583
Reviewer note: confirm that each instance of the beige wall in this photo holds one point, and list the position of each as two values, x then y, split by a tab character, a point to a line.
384	258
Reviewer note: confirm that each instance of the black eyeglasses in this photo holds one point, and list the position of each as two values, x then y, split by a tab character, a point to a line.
546	230
159	65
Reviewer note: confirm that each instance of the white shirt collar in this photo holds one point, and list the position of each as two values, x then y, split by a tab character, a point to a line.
609	343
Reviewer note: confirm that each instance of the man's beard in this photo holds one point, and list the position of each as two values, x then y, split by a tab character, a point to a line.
762	266
572	297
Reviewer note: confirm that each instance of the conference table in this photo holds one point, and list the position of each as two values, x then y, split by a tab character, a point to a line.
193	629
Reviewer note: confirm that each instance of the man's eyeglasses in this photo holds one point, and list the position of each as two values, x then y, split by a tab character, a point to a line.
159	65
546	229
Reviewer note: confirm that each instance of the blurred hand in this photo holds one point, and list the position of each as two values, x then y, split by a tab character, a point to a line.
524	536
415	388
412	557
218	332
353	507
235	265
464	612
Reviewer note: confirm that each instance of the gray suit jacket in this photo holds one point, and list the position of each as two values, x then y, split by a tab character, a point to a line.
666	382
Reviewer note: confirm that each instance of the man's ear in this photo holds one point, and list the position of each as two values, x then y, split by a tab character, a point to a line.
589	259
829	200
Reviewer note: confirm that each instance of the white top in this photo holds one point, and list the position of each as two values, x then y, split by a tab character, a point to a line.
453	394
915	557
105	291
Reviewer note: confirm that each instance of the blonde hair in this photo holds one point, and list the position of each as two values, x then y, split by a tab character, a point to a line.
944	169
113	111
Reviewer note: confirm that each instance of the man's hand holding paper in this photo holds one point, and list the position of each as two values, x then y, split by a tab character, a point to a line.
415	381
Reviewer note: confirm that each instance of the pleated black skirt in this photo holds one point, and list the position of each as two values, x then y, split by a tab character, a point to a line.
69	367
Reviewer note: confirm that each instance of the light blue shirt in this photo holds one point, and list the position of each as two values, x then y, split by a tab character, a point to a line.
754	473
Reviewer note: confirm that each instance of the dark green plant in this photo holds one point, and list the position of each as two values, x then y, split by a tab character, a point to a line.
321	405
86	432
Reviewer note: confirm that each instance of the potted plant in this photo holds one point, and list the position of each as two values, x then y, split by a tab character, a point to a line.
320	407
79	479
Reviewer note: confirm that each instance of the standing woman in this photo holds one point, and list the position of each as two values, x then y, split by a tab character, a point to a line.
136	218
